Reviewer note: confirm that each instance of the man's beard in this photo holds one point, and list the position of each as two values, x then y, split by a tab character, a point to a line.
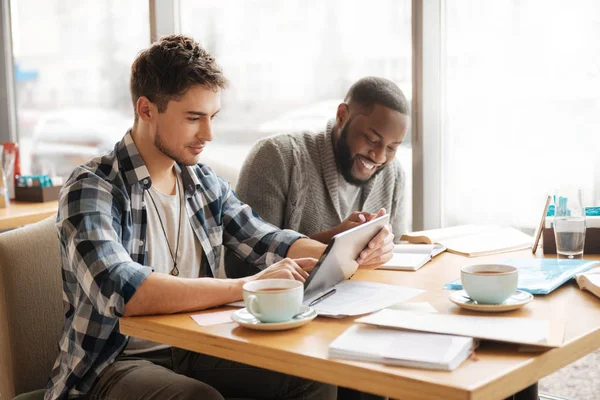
161	145
345	161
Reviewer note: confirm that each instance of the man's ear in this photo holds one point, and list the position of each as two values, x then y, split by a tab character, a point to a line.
145	109
342	114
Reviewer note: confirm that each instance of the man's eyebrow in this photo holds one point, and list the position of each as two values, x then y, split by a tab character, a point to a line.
381	137
201	114
377	133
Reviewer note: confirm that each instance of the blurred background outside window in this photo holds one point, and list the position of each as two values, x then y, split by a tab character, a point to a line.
290	64
522	107
72	60
520	85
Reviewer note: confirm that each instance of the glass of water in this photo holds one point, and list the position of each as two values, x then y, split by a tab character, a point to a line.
569	223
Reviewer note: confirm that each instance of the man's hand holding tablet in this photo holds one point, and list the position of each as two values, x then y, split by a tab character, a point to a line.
380	249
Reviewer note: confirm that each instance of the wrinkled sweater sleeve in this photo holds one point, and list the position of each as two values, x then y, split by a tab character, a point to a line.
265	178
398	212
263	184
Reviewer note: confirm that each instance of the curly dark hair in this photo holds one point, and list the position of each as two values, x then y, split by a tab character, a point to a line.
167	69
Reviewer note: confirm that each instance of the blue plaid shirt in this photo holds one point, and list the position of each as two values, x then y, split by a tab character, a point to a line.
102	228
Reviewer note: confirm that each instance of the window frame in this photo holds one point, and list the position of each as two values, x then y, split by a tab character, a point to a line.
8	108
427	112
427	107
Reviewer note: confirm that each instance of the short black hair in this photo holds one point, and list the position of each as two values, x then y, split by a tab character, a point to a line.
372	90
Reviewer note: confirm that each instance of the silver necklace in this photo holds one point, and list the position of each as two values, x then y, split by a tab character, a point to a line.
175	270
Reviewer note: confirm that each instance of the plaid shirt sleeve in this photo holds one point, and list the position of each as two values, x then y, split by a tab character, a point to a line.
89	225
251	238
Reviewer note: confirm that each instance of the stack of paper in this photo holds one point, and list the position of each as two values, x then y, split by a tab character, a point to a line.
351	298
409	349
544	333
361	297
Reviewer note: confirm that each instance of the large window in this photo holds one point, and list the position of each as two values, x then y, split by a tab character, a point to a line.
522	107
290	63
72	61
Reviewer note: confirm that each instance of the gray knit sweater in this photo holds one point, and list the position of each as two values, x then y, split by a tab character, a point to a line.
291	181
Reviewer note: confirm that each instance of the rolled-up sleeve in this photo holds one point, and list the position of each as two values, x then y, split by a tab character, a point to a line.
89	227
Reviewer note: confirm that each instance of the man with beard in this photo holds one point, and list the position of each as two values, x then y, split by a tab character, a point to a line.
321	184
141	231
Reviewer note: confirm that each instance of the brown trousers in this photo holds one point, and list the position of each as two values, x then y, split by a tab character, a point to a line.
180	374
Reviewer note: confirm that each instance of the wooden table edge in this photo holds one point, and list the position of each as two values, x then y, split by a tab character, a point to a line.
546	363
299	365
332	372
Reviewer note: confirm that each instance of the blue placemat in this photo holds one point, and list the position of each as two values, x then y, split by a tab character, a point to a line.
540	275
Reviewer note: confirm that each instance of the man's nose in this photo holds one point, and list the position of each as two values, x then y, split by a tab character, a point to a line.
377	154
205	131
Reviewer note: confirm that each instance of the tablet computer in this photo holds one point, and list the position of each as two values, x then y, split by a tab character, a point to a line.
338	262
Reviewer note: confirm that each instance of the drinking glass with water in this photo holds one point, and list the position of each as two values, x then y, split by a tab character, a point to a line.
569	223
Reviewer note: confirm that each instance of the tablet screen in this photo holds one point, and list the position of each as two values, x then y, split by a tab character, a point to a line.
338	262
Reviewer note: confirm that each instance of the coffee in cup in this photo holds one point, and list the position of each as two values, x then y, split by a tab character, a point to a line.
489	283
273	300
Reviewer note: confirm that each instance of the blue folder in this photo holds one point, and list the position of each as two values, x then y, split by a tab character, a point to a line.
541	275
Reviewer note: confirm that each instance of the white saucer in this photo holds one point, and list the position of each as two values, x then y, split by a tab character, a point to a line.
517	300
244	318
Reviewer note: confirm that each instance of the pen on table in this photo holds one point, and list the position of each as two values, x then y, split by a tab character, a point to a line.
322	297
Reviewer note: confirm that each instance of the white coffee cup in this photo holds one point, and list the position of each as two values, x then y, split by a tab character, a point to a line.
273	300
489	283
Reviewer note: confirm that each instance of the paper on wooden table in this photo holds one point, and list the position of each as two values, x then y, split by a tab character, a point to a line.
212	318
545	333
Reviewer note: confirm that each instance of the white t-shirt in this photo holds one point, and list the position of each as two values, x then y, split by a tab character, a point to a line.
349	195
189	256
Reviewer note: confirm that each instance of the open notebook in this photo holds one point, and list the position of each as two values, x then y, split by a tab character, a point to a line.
395	347
473	240
411	257
590	281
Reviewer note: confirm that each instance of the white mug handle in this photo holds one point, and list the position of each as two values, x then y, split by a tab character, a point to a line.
253	306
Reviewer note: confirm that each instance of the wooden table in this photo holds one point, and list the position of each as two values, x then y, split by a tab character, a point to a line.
22	213
497	371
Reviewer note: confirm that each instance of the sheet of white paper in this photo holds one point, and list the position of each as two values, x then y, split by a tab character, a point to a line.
422	307
517	330
593	275
414	248
360	297
491	240
594	278
407	260
437	235
412	256
212	318
239	303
